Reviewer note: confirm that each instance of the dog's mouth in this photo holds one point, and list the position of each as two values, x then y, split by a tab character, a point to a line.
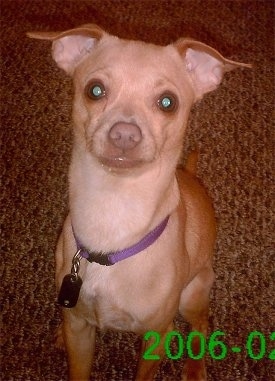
120	162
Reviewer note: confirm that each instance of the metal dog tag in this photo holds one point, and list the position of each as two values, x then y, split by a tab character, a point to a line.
69	291
71	284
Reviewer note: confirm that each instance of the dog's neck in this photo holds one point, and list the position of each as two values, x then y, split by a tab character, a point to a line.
112	211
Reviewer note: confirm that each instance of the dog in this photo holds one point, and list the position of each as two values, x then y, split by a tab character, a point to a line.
138	242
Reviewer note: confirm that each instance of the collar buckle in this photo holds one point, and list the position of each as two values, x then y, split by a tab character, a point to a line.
99	258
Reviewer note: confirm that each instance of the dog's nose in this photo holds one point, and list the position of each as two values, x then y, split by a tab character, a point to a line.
125	135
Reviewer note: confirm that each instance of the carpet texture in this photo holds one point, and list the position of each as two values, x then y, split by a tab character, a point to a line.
233	128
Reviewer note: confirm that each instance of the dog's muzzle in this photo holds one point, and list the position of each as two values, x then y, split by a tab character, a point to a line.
123	149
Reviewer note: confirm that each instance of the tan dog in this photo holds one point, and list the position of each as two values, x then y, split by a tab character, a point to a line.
130	110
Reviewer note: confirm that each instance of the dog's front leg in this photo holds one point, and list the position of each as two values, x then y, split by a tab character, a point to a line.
79	337
147	368
194	305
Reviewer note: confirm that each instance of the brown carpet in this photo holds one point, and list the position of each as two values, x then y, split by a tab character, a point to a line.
233	127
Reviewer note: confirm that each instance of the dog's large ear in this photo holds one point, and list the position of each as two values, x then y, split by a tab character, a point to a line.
205	65
69	47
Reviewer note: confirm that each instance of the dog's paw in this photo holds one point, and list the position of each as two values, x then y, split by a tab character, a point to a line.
59	340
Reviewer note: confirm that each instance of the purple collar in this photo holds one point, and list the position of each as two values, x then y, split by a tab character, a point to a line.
108	259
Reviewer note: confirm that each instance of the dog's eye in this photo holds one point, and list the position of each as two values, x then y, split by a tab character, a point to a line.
168	102
95	90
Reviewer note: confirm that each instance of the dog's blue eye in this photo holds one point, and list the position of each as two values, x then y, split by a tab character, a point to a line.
95	90
168	102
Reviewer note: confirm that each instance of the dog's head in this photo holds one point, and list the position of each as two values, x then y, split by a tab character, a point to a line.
132	99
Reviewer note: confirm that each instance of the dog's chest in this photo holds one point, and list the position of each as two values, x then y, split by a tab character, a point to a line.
103	299
122	297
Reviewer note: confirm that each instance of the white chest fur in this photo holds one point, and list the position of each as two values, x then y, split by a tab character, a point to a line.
128	295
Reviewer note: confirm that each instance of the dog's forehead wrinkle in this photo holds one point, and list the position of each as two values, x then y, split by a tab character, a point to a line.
128	57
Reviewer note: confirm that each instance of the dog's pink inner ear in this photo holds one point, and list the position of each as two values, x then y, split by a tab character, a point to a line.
205	65
205	70
69	50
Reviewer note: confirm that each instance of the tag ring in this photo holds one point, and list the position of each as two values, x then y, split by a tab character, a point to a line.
76	264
